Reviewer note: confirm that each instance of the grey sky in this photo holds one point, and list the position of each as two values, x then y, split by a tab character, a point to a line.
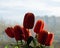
38	7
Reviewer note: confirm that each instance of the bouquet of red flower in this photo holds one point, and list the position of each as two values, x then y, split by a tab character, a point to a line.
42	39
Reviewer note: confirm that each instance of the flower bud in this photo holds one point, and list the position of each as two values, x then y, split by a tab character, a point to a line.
18	33
49	39
39	26
29	20
10	32
27	33
42	37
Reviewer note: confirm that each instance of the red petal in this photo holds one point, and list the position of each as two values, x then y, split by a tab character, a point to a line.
49	39
39	26
10	32
27	33
18	33
42	37
29	20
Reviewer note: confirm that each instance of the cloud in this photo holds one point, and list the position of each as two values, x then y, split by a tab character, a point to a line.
56	0
53	10
17	7
26	3
10	4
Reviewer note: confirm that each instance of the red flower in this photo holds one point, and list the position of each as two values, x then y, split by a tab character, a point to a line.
27	33
49	39
18	33
39	26
29	20
10	32
42	37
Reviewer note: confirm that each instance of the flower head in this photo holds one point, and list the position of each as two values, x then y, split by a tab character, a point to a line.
39	26
42	37
27	33
49	39
18	33
29	20
10	32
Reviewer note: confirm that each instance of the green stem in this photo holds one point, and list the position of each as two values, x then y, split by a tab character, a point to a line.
26	46
21	42
17	42
42	46
34	42
18	46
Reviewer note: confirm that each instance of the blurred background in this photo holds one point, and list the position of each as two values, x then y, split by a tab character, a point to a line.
12	12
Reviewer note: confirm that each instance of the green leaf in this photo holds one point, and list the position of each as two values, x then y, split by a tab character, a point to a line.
6	46
29	40
34	42
16	47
